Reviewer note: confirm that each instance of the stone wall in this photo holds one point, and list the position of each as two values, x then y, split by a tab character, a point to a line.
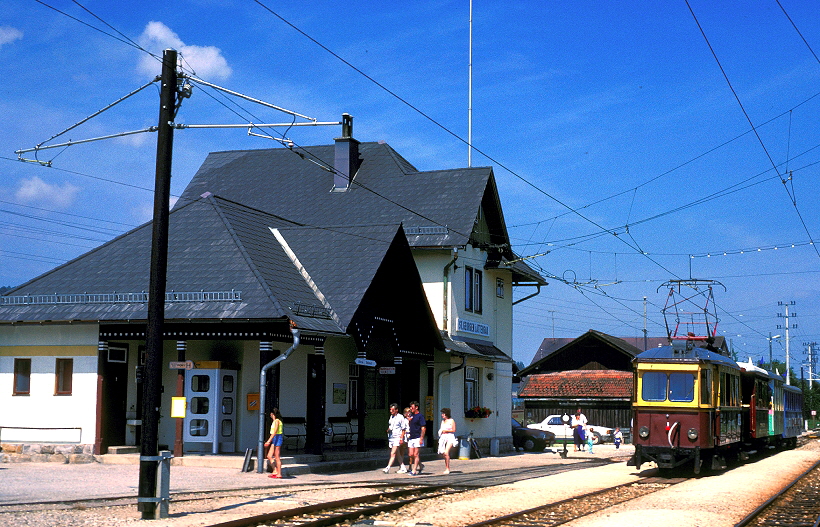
46	453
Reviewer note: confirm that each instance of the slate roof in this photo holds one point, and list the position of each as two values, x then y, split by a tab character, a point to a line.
572	384
437	208
218	245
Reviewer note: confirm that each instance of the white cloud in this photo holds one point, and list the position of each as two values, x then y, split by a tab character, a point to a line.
35	190
206	61
9	35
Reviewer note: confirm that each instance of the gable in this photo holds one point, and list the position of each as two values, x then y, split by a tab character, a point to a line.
591	351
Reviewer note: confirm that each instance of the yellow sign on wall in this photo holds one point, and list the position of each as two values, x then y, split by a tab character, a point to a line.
253	402
179	405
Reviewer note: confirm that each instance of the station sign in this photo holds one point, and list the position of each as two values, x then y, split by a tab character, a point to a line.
387	370
476	328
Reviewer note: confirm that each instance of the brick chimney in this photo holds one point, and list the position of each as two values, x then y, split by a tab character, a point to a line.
346	160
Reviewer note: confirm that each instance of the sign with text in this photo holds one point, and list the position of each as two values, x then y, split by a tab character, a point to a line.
365	362
181	365
387	370
476	328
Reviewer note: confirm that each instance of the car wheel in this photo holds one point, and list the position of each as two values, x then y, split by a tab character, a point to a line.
596	438
529	445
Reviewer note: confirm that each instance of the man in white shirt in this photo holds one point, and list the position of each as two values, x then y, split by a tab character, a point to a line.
397	430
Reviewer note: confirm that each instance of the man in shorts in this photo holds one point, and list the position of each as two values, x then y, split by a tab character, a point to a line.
396	432
418	427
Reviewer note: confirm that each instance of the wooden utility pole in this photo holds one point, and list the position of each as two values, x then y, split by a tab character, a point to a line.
152	382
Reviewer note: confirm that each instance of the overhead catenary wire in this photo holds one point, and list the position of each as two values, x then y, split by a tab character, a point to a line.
625	253
456	136
751	123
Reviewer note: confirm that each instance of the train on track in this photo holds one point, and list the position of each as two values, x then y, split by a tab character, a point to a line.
692	403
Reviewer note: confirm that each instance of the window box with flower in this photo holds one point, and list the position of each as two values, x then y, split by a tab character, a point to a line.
477	412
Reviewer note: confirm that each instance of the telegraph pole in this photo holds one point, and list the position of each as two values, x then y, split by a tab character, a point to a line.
812	346
786	305
152	383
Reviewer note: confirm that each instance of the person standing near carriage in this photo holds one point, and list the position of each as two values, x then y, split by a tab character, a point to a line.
578	424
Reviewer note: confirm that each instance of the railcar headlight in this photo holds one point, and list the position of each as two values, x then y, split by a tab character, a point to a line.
692	434
644	432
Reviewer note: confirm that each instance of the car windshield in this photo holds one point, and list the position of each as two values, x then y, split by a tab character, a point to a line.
515	423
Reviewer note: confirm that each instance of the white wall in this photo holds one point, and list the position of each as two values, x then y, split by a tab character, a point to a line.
496	312
42	408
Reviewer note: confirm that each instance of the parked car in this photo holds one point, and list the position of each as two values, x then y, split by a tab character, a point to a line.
530	439
554	424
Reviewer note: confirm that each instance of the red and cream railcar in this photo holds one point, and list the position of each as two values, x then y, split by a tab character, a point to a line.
687	407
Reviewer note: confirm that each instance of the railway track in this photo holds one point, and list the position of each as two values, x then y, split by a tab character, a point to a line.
796	505
577	507
352	509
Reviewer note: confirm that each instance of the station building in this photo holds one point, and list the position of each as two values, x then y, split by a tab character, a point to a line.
399	282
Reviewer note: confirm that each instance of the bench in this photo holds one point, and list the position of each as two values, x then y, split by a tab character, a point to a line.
293	428
342	429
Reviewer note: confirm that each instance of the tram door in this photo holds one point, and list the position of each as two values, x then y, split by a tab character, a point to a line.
210	423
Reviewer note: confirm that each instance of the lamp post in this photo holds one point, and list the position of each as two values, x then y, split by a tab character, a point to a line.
565	419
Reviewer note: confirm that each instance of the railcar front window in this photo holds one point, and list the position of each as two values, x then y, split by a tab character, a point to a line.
681	387
653	386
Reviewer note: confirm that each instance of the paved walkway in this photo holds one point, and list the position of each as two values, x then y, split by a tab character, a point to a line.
47	482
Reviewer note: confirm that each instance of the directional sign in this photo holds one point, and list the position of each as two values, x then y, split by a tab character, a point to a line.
181	365
365	362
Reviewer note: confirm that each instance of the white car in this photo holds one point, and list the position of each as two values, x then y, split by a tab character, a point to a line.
554	424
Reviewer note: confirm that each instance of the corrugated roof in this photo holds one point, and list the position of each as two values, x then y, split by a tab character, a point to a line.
605	384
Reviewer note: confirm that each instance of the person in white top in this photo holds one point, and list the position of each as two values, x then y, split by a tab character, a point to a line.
397	430
579	424
446	437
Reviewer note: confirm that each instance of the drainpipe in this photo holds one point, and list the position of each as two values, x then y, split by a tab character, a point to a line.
446	291
447	372
260	454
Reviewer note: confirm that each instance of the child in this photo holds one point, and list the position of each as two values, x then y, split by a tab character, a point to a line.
618	438
590	439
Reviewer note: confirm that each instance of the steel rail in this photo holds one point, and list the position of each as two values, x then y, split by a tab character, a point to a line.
331	518
515	517
755	514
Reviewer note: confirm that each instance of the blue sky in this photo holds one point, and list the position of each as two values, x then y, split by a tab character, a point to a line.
619	147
